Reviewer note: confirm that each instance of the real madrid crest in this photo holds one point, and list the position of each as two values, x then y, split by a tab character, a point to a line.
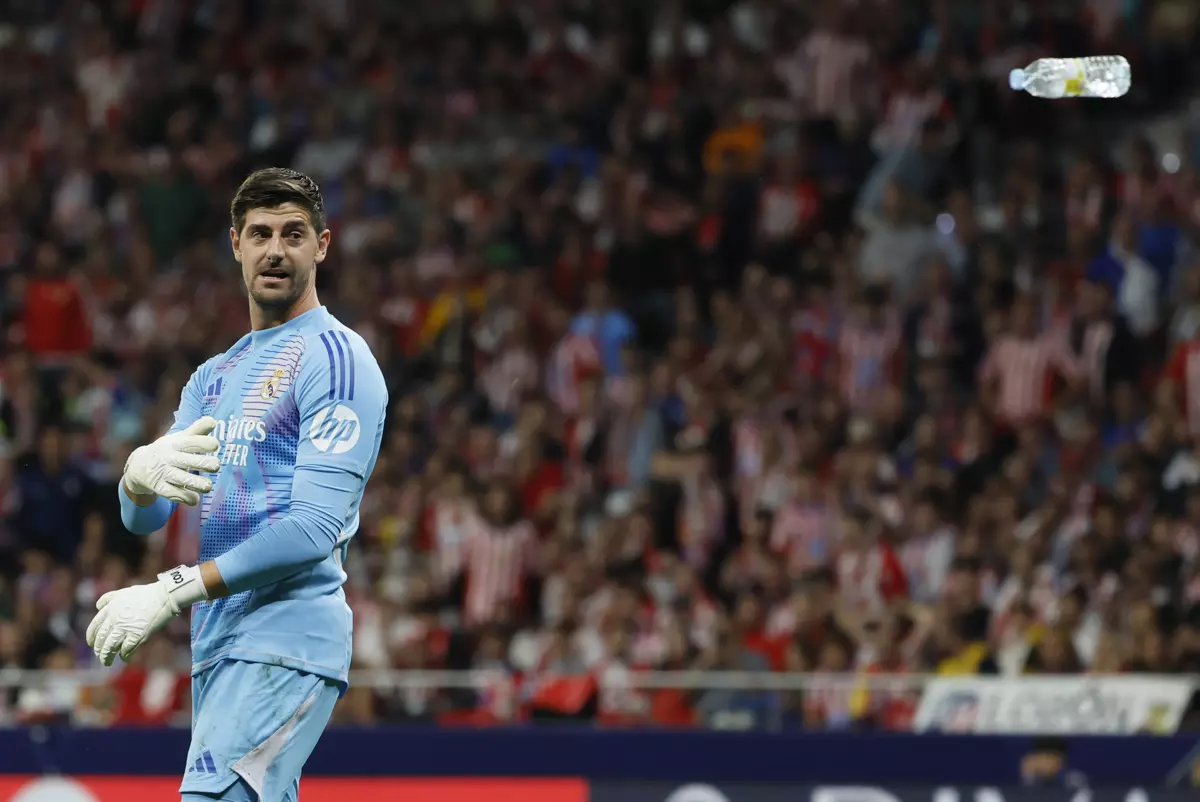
273	386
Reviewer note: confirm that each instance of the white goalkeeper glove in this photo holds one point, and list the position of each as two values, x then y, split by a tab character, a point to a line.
128	616
162	468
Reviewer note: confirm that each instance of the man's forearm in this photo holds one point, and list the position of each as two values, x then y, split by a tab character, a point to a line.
298	541
295	543
214	585
143	514
267	557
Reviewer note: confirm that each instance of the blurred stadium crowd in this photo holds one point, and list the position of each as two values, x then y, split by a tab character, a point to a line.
743	335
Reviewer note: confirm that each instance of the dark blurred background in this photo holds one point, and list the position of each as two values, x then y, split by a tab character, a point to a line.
756	336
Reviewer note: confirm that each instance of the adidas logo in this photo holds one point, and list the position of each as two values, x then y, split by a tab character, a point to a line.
204	764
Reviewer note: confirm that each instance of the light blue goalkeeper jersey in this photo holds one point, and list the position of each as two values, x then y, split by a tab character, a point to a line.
300	411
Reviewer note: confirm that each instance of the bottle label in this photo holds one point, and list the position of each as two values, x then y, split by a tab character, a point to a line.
1074	86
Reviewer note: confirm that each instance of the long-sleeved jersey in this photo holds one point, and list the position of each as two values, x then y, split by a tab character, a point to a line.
300	411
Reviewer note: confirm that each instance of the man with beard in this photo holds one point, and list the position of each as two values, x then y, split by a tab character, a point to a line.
274	440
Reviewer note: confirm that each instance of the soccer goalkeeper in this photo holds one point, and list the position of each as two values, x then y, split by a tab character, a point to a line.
275	439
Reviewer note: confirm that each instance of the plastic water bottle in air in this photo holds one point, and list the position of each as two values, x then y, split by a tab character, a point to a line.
1094	76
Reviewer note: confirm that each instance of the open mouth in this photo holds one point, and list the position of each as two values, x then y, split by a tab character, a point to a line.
275	273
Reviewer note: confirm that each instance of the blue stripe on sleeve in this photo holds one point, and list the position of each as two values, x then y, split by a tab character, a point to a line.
350	359
341	365
332	366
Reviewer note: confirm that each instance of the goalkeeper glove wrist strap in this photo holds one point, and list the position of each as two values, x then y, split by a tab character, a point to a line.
184	586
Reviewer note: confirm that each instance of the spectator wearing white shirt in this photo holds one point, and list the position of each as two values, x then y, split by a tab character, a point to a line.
1137	297
838	60
929	550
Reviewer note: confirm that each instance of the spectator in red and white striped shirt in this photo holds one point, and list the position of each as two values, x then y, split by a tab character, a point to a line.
813	324
869	573
828	703
803	529
702	514
512	374
1181	383
1017	376
499	555
868	352
573	357
582	436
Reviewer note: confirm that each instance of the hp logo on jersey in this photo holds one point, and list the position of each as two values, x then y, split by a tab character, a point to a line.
335	429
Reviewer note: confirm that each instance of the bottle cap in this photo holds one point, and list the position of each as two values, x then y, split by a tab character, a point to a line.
1016	79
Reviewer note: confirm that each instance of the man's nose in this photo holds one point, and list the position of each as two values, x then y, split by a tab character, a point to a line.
275	249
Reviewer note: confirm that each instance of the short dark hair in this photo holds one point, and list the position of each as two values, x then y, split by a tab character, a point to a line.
272	187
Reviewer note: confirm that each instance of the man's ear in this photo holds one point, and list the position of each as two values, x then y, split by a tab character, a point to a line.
236	243
322	245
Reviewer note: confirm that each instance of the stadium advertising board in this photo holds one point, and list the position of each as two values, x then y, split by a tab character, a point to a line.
895	760
696	792
329	789
319	789
1054	705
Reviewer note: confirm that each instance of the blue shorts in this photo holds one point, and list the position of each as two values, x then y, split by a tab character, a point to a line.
253	727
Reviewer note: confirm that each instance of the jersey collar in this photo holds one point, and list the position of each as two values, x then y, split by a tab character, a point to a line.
297	323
